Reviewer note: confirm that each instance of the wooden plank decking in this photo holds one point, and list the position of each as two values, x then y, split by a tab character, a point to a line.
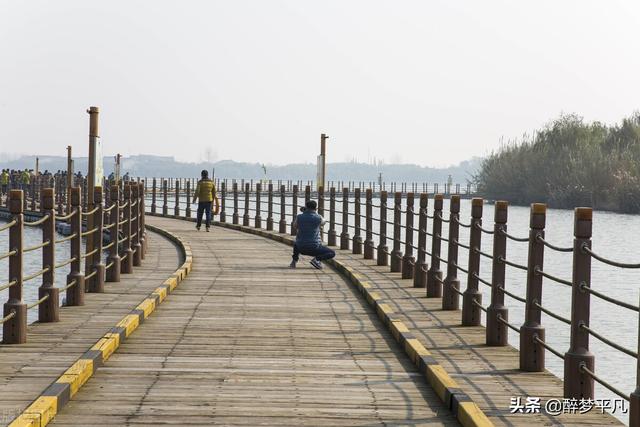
244	340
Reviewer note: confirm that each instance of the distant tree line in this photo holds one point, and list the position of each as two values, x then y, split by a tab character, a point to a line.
569	163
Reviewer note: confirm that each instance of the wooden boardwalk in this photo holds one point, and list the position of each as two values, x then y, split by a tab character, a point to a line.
26	370
244	340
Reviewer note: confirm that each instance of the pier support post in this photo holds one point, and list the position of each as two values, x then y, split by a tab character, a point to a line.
408	260
127	258
357	235
165	206
96	283
14	330
420	267
497	332
235	217
75	293
531	351
49	309
382	256
153	196
396	253
634	399
369	247
270	207
135	225
187	199
223	201
294	210
282	224
577	383
258	217
451	284
344	235
472	297
332	235
113	272
321	209
434	274
176	207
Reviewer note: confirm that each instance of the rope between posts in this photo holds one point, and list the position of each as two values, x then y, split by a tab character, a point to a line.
462	269
551	277
514	296
457	220
34	275
9	225
548	347
71	284
501	320
108	266
9	316
40	301
66	238
86	233
62	264
512	264
66	217
481	280
8	254
456	290
38	222
479	227
91	212
484	254
109	209
123	222
89	276
8	285
540	239
124	205
609	342
88	254
462	245
552	314
113	242
586	288
585	248
583	368
514	238
476	303
33	248
442	219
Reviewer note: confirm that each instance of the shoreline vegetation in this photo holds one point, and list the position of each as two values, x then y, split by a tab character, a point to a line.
569	163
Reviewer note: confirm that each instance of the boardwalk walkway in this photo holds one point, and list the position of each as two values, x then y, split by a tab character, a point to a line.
26	370
246	341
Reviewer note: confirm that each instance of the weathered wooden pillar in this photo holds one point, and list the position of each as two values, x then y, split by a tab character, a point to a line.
357	234
369	247
321	209
332	234
153	197
382	257
420	266
531	351
451	284
113	272
135	225
96	283
344	235
15	328
127	257
258	217
307	194
187	199
75	293
282	224
223	201
396	253
165	206
472	296
246	218
48	310
496	331
270	207
434	274
577	383
294	210
408	260
634	398
143	230
235	217
176	207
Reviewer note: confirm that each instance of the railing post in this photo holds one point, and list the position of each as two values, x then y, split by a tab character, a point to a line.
450	298
357	237
470	309
382	257
434	274
48	310
270	207
223	201
142	221
408	260
96	283
634	398
187	199
127	258
532	352
135	226
332	235
176	207
15	328
153	197
282	224
75	293
258	217
235	217
165	207
246	217
344	235
496	333
294	210
396	253
307	193
369	247
113	273
420	266
578	384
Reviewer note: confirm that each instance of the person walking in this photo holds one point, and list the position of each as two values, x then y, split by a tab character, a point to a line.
206	195
308	240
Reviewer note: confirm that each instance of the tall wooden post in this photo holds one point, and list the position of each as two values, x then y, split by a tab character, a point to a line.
270	207
48	310
75	294
113	273
235	217
369	247
382	257
434	274
472	296
246	217
331	234
135	225
127	257
344	235
450	298
396	253
223	201
294	210
96	283
496	331
258	218
420	267
187	201
408	260
176	207
15	329
357	234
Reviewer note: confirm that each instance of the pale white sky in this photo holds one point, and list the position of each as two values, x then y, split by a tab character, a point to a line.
426	82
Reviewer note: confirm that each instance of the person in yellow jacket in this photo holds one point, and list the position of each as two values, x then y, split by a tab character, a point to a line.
206	195
25	179
4	181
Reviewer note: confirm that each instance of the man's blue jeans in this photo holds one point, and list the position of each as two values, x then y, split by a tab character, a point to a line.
320	252
202	208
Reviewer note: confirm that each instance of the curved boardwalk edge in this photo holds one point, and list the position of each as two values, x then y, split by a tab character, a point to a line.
57	395
463	407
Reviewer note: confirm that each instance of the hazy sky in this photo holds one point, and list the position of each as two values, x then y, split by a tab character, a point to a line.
427	82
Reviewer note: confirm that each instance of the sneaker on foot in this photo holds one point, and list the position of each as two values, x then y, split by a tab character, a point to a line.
316	263
207	229
293	264
198	227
